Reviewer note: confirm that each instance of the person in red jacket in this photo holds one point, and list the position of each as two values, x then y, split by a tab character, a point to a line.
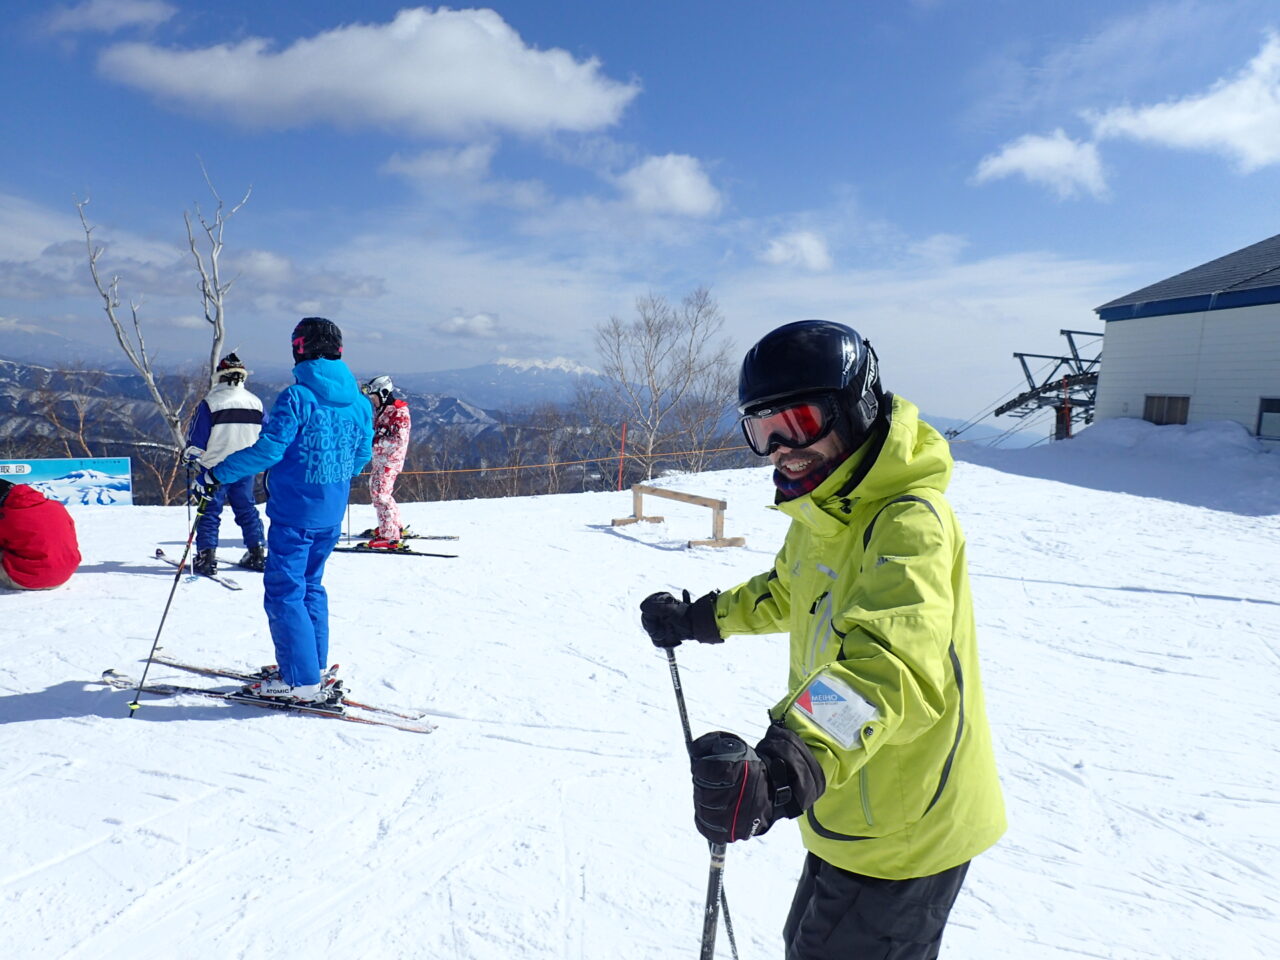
38	548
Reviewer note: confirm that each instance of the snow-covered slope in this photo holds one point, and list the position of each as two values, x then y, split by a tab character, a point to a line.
1131	668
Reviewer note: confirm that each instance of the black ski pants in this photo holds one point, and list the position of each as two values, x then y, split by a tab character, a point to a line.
840	915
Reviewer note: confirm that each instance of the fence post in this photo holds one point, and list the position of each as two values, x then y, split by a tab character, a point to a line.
622	455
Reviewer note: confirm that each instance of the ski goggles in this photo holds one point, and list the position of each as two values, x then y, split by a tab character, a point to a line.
796	425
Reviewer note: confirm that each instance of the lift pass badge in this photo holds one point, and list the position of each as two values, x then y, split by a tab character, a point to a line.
836	709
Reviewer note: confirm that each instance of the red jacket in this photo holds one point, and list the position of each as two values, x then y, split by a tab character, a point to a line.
37	539
391	431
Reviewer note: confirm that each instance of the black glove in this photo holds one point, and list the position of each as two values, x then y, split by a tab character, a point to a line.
203	485
739	792
669	621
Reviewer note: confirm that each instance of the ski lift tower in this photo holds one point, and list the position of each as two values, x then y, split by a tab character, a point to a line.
1071	387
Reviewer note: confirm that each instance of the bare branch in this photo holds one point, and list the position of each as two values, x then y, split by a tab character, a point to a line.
667	374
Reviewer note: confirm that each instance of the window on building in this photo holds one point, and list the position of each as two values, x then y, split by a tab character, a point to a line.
1161	410
1269	418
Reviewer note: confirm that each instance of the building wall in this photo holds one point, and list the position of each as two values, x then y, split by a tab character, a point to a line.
1224	360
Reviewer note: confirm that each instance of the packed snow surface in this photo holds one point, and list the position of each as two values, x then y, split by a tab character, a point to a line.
1128	600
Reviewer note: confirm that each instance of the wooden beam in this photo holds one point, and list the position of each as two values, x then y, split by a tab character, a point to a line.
718	507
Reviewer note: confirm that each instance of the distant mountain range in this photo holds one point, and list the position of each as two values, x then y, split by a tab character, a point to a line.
116	407
505	384
477	401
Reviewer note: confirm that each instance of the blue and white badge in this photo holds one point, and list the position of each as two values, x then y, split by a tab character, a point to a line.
835	708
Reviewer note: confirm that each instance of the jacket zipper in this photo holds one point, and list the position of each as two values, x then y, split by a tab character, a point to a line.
866	795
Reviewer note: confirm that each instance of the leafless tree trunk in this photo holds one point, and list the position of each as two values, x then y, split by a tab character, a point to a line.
213	290
667	372
133	344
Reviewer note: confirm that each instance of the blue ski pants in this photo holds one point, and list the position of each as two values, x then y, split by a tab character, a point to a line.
240	496
295	600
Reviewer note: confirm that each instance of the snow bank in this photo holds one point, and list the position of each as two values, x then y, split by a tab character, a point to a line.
1218	465
1130	667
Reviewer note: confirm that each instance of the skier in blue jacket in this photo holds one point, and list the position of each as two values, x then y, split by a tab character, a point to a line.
318	435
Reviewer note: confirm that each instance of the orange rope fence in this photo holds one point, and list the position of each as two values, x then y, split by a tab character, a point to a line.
567	463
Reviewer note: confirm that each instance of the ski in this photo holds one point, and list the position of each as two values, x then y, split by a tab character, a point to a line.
394	553
216	578
224	562
245	677
121	682
406	536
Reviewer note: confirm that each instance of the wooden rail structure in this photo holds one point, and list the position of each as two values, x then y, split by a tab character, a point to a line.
718	539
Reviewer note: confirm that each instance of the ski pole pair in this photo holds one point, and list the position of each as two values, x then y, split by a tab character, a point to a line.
716	900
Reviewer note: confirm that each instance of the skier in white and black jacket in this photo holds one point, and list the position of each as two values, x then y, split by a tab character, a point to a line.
228	419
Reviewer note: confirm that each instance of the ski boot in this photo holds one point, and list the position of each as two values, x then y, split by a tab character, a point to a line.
273	687
255	558
205	563
372	533
384	545
331	689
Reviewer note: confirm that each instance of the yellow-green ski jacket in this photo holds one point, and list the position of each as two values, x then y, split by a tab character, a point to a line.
884	686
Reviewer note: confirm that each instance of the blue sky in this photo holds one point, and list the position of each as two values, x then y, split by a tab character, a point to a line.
956	180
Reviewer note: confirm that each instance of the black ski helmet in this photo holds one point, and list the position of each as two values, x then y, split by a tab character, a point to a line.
811	358
316	337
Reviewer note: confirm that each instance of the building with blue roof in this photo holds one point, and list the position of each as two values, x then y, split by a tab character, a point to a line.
1202	345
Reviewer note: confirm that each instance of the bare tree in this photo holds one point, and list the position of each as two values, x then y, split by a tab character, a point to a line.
67	407
213	290
666	373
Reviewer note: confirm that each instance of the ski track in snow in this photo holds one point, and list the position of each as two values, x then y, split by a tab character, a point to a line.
1130	668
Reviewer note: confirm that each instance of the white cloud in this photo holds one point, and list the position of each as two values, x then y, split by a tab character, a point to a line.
108	16
673	183
1238	117
450	73
185	321
463	163
477	326
945	332
1130	52
801	248
459	176
940	249
14	325
1065	165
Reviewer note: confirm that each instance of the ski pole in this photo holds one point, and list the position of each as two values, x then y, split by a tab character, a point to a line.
716	900
188	493
182	565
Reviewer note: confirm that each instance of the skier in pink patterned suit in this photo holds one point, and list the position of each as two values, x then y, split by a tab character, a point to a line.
390	443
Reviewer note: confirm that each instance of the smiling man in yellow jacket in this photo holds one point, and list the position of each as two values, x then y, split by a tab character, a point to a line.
881	747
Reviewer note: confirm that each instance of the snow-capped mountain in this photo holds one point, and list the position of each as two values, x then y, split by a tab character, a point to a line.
506	384
563	364
87	487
